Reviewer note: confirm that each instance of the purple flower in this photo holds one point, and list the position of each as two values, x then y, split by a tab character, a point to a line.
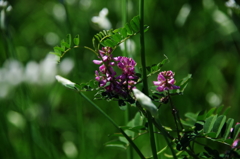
98	62
127	65
105	55
236	143
165	81
122	84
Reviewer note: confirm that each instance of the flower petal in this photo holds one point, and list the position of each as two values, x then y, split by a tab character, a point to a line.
98	62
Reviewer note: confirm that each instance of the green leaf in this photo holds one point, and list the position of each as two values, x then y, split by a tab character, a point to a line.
76	40
113	38
218	125
123	32
116	144
210	112
184	82
109	43
225	112
229	125
58	49
134	125
229	141
136	20
211	135
136	129
64	44
191	116
116	37
69	40
138	119
98	37
219	109
95	45
146	28
201	115
56	53
135	24
187	122
128	29
236	131
208	126
155	67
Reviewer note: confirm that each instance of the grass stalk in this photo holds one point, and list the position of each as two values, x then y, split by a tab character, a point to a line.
145	84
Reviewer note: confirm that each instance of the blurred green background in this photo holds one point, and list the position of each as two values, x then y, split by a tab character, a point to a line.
41	119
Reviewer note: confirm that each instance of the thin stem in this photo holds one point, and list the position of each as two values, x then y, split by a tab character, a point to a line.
145	84
113	122
175	114
151	134
142	47
91	50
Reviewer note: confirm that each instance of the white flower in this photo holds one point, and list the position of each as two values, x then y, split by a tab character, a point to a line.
65	82
102	19
145	102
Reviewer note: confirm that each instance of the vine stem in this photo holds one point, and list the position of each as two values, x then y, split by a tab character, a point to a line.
113	122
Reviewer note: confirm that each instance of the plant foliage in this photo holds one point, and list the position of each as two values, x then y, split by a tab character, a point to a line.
113	38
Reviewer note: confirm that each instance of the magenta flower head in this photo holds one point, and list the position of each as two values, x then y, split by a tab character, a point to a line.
165	81
106	75
127	65
106	55
236	143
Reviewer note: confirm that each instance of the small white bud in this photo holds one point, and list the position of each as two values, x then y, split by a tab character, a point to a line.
65	82
145	102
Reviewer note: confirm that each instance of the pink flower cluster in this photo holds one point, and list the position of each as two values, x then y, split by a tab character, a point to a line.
165	81
106	76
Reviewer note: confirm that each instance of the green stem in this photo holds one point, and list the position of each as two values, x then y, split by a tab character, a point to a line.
91	50
152	138
157	139
142	47
175	115
113	122
145	84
